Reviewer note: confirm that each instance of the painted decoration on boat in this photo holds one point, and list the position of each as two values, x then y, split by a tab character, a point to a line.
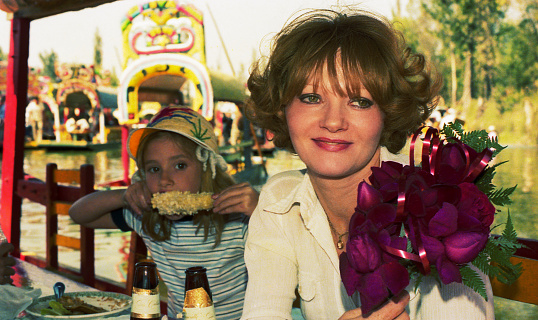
163	38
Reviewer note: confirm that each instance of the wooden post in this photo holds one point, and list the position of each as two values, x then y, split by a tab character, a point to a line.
14	129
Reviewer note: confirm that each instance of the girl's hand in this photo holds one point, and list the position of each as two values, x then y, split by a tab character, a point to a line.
393	309
6	263
138	197
239	198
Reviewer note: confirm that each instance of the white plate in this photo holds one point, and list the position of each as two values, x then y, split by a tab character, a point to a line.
113	302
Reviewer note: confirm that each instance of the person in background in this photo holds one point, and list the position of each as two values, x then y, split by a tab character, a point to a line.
178	151
6	263
227	122
344	92
34	118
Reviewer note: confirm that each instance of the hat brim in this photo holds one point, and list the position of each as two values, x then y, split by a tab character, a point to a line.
136	136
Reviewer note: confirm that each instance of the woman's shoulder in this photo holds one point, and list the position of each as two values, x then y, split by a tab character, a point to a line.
286	180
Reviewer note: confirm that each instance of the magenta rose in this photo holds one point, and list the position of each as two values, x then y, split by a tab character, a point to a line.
463	247
452	165
474	207
366	267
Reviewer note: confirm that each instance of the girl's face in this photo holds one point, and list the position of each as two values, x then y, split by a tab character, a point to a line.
336	136
168	167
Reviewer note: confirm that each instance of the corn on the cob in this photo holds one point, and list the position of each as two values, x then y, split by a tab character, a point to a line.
178	202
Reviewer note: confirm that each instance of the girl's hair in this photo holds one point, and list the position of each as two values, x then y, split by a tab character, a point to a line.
158	227
371	52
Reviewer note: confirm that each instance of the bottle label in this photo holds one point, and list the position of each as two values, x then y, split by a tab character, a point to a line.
146	303
205	313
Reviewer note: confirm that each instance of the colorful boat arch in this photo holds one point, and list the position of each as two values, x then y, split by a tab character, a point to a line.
163	64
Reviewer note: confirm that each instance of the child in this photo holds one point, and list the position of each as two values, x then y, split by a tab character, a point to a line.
177	151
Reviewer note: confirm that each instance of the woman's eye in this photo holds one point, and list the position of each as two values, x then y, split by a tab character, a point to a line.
362	103
181	165
310	98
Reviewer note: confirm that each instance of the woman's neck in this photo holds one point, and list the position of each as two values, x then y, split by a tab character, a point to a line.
338	197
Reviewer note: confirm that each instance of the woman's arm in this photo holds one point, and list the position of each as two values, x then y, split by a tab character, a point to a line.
93	210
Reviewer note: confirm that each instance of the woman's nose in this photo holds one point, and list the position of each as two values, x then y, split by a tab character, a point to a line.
334	118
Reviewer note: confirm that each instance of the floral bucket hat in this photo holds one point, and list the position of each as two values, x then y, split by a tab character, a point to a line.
188	123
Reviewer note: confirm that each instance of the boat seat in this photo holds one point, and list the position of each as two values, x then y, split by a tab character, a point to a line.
63	188
525	288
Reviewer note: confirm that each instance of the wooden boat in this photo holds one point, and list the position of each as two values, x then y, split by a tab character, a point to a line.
80	106
12	166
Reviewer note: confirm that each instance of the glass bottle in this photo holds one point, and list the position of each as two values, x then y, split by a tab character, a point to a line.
198	298
146	301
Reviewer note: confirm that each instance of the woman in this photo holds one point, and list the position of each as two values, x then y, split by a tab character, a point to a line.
344	92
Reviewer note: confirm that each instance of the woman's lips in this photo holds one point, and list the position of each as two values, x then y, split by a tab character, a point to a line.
332	145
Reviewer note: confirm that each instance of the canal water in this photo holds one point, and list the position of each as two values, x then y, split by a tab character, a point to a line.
111	244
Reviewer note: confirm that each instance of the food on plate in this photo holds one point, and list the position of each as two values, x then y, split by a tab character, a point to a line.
68	305
178	202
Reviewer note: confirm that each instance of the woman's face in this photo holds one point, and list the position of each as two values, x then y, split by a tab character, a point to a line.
335	136
169	168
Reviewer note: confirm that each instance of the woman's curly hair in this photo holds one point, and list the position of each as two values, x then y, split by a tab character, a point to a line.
371	53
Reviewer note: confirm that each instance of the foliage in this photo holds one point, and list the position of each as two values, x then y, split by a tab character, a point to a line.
49	60
98	48
494	260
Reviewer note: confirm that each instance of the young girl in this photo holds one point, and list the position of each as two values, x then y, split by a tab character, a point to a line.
343	91
177	151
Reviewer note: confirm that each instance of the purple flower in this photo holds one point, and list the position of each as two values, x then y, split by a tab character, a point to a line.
462	247
366	267
475	206
443	215
364	251
452	165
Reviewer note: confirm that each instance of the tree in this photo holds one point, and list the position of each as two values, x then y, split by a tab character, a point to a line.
468	27
2	55
49	63
97	48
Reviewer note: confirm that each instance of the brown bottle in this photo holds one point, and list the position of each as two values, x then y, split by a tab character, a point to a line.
146	301
198	297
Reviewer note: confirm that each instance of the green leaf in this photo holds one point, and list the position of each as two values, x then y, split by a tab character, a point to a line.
472	279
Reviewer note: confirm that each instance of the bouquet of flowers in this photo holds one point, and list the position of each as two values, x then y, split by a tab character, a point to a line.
430	220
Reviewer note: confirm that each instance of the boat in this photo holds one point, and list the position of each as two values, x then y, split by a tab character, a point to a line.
164	64
78	109
23	13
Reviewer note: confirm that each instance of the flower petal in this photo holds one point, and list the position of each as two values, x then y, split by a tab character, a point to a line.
448	271
372	291
434	248
463	247
382	215
367	197
395	276
363	252
445	221
350	277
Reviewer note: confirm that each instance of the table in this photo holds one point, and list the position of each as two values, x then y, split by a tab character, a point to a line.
29	275
32	276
